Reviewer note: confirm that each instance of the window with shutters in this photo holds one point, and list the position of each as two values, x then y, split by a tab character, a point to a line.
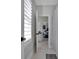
27	19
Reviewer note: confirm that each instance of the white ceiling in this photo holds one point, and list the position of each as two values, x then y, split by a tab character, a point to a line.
46	2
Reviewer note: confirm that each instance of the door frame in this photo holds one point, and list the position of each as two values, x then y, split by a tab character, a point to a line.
35	41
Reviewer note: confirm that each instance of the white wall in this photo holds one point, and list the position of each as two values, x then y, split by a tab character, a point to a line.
55	26
46	2
51	40
53	31
45	10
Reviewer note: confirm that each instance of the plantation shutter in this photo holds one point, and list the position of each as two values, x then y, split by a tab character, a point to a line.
27	19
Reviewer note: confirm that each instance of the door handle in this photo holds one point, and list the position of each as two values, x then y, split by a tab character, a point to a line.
38	33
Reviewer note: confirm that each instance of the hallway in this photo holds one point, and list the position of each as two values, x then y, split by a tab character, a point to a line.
39	20
43	50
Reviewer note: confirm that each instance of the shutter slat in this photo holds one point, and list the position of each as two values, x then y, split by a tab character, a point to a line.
27	19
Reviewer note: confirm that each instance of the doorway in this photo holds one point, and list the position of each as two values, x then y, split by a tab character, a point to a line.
42	32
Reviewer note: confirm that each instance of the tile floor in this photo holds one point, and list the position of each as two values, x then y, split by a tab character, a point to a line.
43	50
